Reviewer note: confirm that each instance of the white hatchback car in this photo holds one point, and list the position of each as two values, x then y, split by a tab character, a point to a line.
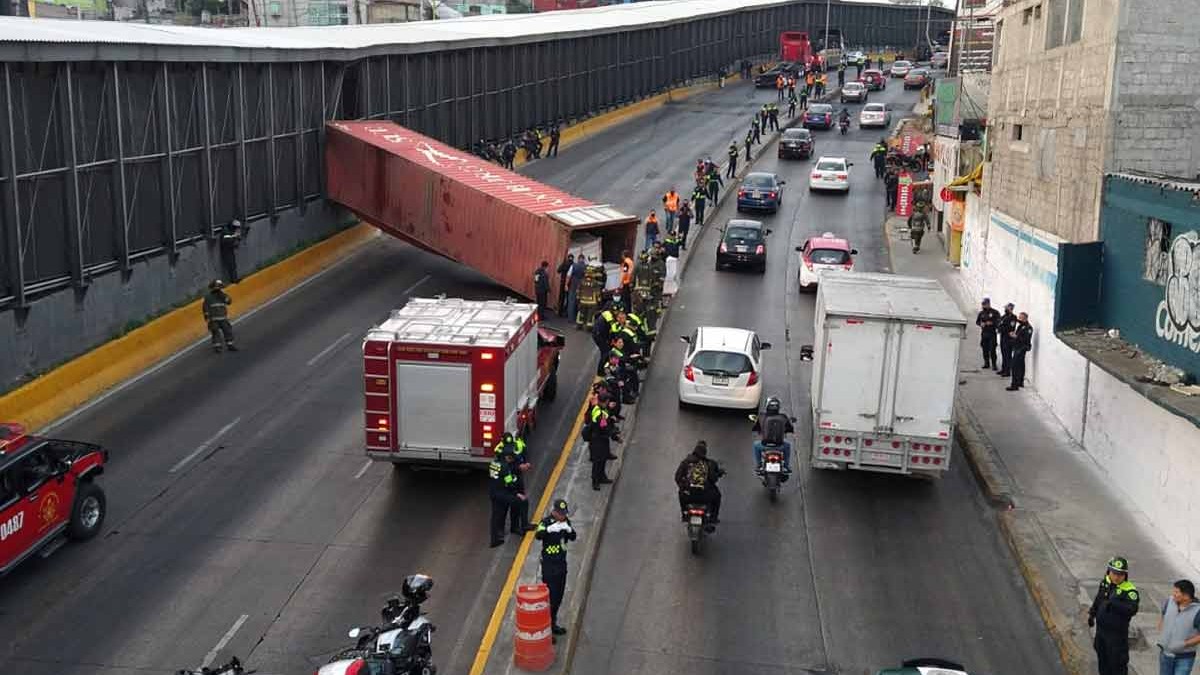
722	368
830	173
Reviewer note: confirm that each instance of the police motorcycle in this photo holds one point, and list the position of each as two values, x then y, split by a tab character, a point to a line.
401	645
234	667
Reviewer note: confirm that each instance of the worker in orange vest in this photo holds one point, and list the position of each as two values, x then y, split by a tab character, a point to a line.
627	278
779	84
651	229
671	206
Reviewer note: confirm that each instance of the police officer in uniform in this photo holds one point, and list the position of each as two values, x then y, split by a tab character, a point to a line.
731	168
1005	327
216	314
1022	342
517	446
1116	602
554	532
988	321
541	288
506	490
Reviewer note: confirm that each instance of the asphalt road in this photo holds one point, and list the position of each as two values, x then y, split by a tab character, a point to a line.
846	573
244	518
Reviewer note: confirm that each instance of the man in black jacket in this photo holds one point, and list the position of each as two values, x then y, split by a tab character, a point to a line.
1022	342
564	268
541	287
696	479
988	321
554	532
506	489
1116	602
1005	327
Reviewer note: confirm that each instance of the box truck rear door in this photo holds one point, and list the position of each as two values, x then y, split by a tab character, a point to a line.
434	401
926	381
852	374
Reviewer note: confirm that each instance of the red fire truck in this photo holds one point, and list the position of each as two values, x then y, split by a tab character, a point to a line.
47	489
446	377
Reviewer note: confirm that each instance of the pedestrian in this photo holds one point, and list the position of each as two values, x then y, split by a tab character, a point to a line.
671	206
651	230
215	308
231	239
841	71
731	166
804	99
779	84
554	532
1005	327
699	200
1179	630
791	104
918	222
988	320
508	154
890	182
1022	342
685	224
627	278
541	289
574	282
564	268
749	143
810	81
1116	602
555	135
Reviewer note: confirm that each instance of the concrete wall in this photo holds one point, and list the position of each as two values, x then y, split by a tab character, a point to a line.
1151	454
63	325
1138	272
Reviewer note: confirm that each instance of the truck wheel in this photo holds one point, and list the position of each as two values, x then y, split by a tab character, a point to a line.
87	515
550	391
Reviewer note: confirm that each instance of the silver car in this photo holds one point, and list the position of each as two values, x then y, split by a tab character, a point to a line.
939	59
854	91
875	115
901	68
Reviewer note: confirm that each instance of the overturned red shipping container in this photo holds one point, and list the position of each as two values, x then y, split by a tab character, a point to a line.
462	207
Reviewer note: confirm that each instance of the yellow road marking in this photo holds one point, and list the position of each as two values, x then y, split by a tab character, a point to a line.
493	627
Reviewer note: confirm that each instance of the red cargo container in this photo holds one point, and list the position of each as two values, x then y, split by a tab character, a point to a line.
462	207
794	47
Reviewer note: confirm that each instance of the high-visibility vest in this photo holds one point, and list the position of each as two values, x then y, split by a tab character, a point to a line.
626	271
672	201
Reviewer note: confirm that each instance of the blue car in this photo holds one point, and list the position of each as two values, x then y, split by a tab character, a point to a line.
760	191
819	116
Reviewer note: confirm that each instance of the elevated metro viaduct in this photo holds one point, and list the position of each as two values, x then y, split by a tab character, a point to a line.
124	148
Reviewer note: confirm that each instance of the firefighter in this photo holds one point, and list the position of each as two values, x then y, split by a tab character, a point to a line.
1116	602
505	489
216	314
554	532
591	289
541	288
658	266
671	244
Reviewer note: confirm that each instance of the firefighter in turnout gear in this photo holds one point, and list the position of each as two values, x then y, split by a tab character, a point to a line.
216	314
506	489
591	289
658	267
1116	602
554	532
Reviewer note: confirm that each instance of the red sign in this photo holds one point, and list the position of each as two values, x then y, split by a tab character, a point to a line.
946	194
904	195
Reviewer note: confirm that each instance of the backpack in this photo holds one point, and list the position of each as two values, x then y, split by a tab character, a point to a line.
697	475
774	429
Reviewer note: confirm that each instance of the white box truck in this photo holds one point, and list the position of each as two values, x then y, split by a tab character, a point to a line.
885	373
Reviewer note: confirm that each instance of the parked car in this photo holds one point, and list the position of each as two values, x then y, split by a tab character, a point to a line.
796	143
760	190
819	116
721	368
916	78
826	253
875	115
939	59
874	79
901	68
854	91
743	243
831	173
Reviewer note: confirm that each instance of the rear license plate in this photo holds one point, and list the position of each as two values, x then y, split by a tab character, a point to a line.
696	520
880	458
774	467
720	381
740	249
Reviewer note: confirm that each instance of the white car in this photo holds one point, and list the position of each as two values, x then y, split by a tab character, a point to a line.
722	368
830	173
901	68
874	115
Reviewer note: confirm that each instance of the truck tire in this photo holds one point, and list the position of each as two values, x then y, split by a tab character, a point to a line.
550	391
87	514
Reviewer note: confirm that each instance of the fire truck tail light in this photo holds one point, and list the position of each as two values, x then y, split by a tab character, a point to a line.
383	422
487	356
487	386
487	435
487	427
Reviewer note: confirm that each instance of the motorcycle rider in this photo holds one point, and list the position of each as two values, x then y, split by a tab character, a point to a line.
696	479
844	119
772	427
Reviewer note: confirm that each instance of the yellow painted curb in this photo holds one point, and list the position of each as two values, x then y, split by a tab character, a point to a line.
69	386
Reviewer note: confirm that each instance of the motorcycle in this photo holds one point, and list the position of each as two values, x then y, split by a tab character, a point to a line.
698	526
234	667
771	468
844	125
402	645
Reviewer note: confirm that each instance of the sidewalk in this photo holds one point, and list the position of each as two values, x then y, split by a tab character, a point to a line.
1063	516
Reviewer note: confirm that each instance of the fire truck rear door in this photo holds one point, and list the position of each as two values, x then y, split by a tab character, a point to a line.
434	401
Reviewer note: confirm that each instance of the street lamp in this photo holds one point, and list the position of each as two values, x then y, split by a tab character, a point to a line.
825	42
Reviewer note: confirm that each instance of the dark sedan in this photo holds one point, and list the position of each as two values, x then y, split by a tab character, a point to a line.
743	242
767	79
819	116
760	191
797	143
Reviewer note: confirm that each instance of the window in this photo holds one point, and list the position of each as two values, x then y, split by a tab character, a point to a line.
829	256
1158	246
729	362
1065	24
1026	16
996	42
1018	132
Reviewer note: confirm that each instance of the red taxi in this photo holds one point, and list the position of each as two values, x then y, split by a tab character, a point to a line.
47	489
826	253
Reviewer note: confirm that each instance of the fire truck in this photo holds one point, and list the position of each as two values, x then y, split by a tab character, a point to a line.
47	490
444	378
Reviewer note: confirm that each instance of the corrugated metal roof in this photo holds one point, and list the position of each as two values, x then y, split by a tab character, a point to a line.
1163	181
490	27
590	216
889	296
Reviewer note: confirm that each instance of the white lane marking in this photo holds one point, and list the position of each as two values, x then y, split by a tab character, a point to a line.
638	184
204	446
364	469
328	349
212	655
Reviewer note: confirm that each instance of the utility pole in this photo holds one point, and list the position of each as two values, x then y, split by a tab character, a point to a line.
825	42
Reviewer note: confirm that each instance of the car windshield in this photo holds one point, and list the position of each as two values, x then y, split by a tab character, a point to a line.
728	362
873	107
796	134
902	64
743	233
829	256
758	180
830	165
853	85
820	108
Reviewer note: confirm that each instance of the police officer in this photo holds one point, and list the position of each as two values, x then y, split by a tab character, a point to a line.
1116	602
517	446
555	134
541	288
731	168
599	433
1008	322
506	490
554	532
216	314
714	184
879	158
988	321
602	335
699	201
1022	342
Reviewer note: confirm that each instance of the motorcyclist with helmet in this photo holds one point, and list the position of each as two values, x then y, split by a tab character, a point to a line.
844	119
772	426
696	479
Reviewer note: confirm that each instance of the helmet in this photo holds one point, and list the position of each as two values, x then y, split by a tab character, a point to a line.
416	587
217	283
507	437
560	505
773	405
701	449
1119	564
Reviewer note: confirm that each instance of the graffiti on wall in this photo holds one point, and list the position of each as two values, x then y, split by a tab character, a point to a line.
1177	318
